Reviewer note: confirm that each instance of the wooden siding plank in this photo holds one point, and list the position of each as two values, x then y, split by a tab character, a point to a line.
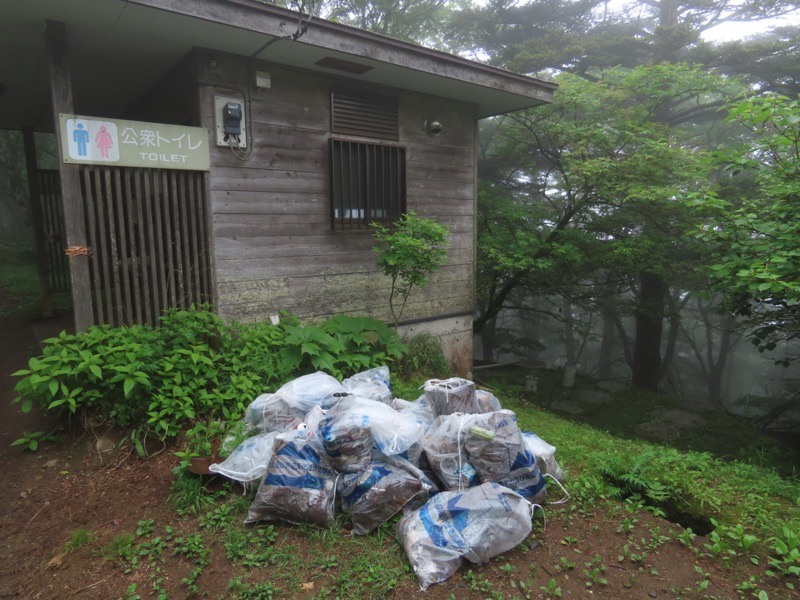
277	247
253	269
262	180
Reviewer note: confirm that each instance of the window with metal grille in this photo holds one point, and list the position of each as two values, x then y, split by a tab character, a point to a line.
368	183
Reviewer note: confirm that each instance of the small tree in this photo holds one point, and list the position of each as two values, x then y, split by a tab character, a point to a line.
408	251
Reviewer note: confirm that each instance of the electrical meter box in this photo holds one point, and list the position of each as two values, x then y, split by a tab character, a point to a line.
229	116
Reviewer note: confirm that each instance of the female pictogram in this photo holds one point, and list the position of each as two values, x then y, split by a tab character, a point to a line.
104	141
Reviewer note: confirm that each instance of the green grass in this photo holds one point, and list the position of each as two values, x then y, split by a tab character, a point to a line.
700	484
78	539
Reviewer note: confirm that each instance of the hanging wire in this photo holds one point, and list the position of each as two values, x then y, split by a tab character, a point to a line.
306	11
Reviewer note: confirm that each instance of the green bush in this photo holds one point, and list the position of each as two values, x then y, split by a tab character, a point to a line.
342	346
194	370
425	358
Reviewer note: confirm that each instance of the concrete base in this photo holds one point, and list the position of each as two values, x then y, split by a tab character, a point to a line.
455	334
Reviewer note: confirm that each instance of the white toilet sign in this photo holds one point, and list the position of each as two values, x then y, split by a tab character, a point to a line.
91	140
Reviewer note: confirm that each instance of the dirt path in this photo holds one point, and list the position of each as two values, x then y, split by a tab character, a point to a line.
47	494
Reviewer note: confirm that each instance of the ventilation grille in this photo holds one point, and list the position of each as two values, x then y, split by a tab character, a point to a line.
364	115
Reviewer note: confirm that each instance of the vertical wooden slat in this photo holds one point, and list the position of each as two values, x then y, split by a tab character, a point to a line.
336	185
104	253
145	299
177	240
90	205
48	220
123	247
182	224
53	216
132	253
169	249
112	231
162	264
37	217
192	208
204	239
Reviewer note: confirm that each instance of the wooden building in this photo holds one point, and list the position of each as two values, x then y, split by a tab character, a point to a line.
310	130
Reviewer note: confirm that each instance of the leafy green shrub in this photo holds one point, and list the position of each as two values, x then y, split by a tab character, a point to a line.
194	372
408	251
425	358
342	345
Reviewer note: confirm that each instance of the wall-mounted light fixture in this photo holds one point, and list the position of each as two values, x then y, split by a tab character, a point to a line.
433	126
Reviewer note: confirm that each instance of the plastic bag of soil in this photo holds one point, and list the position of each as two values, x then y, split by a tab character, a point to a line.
392	432
464	450
420	471
545	455
456	395
443	446
373	384
287	408
299	484
475	524
419	408
497	449
377	493
487	402
248	461
348	446
493	441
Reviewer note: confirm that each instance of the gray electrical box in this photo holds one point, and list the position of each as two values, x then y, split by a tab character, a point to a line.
230	120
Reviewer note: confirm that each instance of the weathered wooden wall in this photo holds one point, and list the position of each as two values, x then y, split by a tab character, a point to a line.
274	248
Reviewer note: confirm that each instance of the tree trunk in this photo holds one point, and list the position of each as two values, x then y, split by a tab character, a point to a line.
487	339
569	332
676	305
607	342
649	328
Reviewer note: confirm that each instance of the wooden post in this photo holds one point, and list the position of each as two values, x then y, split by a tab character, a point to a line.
34	194
72	200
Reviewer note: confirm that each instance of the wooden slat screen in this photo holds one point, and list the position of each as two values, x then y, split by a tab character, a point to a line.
148	235
364	115
53	227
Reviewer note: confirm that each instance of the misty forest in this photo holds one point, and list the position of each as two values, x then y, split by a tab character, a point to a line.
641	228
